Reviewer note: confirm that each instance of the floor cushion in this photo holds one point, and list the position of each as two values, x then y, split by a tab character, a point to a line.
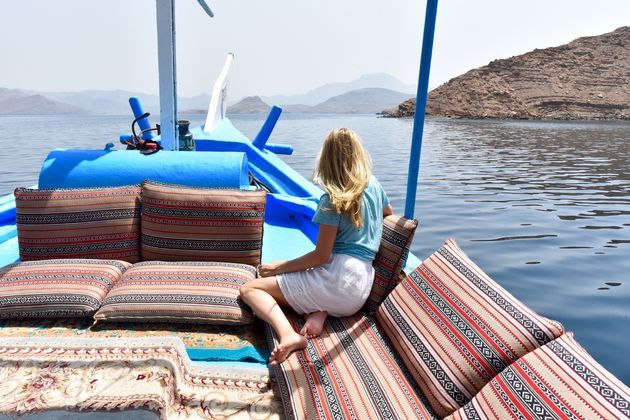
558	380
187	224
455	328
56	288
390	258
200	292
349	372
79	223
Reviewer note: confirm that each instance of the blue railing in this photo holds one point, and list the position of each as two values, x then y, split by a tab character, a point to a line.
421	103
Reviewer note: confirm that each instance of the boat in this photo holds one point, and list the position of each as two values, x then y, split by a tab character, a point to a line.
170	362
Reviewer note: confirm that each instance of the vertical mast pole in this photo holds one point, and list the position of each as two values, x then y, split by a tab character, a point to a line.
421	104
168	78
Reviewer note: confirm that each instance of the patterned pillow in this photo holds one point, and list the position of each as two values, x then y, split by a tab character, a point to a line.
56	288
205	292
349	371
79	223
558	380
187	224
455	328
392	253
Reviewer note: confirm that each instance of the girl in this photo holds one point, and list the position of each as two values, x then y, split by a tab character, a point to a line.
336	278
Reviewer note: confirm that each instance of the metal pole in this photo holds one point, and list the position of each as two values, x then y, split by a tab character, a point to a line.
165	12
421	104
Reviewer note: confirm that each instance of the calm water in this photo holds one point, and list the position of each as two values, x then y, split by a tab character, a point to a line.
542	207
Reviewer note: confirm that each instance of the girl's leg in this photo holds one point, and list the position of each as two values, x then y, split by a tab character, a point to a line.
314	324
264	296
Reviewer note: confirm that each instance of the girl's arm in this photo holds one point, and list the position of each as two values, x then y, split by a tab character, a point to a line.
315	258
388	211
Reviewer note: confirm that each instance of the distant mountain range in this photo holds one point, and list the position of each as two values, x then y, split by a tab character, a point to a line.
249	105
101	102
325	92
369	93
116	102
16	102
359	101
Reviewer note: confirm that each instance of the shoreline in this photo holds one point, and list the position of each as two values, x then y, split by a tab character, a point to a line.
477	118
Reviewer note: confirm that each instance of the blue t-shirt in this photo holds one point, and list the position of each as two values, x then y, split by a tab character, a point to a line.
361	242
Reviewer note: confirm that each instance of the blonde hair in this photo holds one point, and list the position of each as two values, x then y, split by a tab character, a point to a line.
343	170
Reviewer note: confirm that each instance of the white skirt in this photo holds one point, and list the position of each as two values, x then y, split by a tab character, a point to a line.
339	287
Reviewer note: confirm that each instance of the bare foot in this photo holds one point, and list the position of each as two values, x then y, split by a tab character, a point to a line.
286	347
314	324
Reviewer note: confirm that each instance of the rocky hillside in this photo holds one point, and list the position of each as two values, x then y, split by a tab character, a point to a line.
249	105
16	102
361	101
327	91
588	78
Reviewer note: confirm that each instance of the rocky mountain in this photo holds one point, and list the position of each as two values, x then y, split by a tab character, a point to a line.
588	78
11	94
16	102
249	105
358	96
101	102
360	101
116	102
325	92
405	109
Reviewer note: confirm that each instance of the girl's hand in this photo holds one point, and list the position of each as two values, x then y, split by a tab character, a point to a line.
269	269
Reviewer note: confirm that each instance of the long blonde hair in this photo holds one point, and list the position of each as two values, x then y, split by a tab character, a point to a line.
343	170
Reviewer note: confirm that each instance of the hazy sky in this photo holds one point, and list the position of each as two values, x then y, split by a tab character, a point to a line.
282	46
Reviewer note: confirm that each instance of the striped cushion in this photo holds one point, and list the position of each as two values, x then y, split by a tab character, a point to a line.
180	292
392	253
455	328
56	288
348	372
79	223
187	224
558	380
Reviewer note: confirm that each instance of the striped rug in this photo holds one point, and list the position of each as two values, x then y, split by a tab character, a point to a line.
455	328
79	223
558	380
348	372
201	224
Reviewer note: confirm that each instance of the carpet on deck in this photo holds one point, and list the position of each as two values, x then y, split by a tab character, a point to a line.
148	373
203	342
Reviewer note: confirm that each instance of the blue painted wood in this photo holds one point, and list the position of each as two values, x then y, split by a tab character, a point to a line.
7	232
7	209
284	243
265	131
138	110
101	168
167	70
264	165
9	251
421	104
279	149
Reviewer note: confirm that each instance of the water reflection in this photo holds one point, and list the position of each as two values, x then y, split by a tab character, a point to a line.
544	208
512	238
547	206
548	167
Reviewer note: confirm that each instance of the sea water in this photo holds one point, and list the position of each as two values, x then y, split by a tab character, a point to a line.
542	207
